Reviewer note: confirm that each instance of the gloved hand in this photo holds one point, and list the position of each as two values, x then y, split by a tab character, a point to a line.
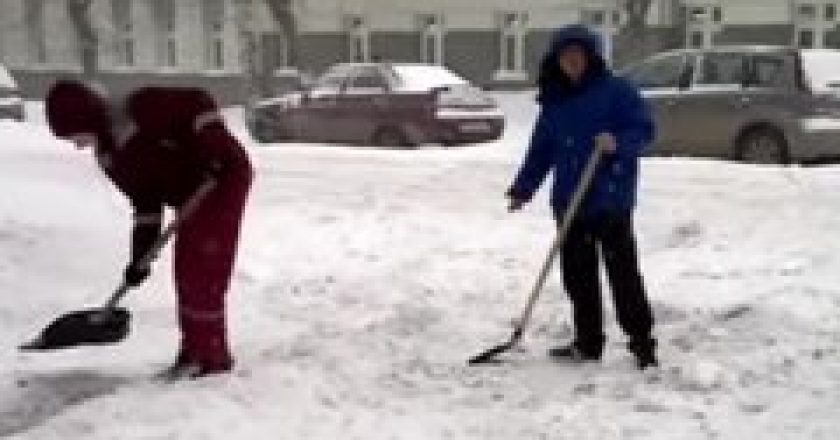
135	274
515	204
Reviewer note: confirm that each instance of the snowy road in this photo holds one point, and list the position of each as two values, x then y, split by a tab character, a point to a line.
368	277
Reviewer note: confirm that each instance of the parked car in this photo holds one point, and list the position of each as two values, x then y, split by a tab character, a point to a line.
11	104
382	104
751	103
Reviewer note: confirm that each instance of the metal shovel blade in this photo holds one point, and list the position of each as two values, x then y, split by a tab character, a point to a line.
84	327
489	356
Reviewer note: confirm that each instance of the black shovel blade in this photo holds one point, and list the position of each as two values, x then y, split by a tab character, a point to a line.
489	356
83	327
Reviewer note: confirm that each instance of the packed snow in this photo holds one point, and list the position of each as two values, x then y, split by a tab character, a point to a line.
367	277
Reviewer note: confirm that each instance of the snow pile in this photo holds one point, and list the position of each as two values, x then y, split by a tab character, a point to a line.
367	278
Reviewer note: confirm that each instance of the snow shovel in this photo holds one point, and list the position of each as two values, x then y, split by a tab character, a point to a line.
108	324
489	356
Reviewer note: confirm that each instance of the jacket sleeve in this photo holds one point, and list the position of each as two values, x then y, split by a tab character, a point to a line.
632	123
148	217
537	162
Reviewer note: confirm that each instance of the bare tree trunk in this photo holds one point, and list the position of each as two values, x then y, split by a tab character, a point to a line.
79	12
283	15
248	48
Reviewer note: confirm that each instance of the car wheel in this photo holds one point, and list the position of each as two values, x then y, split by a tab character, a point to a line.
764	145
391	137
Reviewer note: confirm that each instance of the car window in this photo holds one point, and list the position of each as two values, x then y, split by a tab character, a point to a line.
332	80
662	72
369	78
768	71
721	68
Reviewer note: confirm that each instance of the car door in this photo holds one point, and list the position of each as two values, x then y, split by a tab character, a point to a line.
319	109
662	80
361	104
716	104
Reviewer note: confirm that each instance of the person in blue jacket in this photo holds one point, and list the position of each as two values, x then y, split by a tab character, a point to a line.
584	106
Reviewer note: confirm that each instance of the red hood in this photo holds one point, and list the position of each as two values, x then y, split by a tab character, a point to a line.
74	107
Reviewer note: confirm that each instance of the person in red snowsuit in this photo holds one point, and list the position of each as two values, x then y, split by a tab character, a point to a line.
158	146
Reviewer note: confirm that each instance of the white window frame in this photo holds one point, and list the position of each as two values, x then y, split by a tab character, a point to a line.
431	39
215	56
125	51
817	23
513	26
167	52
708	22
359	39
608	27
285	51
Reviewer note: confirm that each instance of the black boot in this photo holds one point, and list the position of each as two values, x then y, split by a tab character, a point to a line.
576	352
186	369
645	351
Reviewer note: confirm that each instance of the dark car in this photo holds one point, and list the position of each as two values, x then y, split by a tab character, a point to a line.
383	104
761	104
11	104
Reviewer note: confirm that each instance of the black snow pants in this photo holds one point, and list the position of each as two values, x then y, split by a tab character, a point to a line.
609	237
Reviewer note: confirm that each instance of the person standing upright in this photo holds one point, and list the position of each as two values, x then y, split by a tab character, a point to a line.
584	107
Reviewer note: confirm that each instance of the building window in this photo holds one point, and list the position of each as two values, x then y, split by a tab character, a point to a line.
213	13
813	21
704	22
606	22
806	12
124	32
166	23
171	53
513	29
697	40
37	44
359	39
431	39
806	38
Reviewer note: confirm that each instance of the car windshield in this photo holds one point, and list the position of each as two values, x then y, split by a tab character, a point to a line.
822	70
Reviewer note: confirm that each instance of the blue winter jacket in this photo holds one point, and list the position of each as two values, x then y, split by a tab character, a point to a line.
570	118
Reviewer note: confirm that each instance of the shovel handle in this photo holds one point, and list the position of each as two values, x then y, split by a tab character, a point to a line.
185	212
569	214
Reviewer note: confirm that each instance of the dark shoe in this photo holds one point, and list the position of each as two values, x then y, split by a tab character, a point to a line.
185	369
645	352
574	353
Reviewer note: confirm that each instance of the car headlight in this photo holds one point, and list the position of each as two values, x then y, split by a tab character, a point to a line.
820	123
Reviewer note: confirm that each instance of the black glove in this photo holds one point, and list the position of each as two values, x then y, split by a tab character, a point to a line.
516	200
135	274
515	204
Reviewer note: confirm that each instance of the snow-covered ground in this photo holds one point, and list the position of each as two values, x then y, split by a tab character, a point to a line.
368	277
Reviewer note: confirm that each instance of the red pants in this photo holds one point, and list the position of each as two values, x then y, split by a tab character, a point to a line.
205	251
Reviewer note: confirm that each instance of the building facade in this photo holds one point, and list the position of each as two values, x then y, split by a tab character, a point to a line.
225	44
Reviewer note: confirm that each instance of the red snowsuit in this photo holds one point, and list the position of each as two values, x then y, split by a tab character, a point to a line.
172	141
